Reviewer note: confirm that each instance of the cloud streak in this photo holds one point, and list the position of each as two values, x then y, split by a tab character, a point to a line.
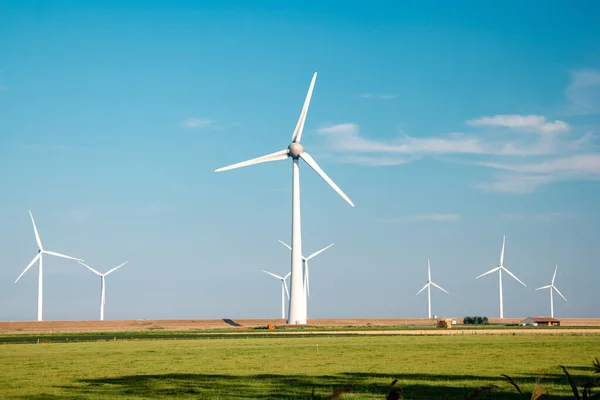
528	177
544	216
196	123
532	123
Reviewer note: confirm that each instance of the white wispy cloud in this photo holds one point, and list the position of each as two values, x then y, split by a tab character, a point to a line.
528	177
424	217
527	161
583	92
588	164
345	137
516	183
532	123
543	216
197	123
376	96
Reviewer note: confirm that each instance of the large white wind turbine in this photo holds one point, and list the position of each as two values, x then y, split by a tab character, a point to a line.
552	287
295	151
501	268
39	257
305	260
428	286
103	285
283	287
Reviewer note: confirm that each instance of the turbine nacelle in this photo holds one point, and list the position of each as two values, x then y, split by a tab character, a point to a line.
295	150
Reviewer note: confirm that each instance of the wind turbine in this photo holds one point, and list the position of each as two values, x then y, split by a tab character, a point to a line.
103	285
295	151
283	286
501	268
305	259
428	286
551	287
39	257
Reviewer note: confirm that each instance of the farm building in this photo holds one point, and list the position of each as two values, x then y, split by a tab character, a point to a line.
540	321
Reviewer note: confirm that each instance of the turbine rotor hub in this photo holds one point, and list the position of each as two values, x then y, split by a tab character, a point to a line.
295	150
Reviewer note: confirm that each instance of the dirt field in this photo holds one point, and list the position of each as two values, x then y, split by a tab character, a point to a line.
24	327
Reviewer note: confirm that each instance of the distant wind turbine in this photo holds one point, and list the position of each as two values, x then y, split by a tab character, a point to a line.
552	287
501	268
283	286
428	286
305	260
295	151
103	285
39	256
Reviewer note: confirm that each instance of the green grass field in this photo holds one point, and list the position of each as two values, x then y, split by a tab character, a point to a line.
291	367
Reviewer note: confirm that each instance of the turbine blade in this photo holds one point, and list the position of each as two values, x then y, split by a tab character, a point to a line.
37	235
286	289
272	274
313	164
554	287
424	287
554	276
439	287
489	272
428	271
29	266
502	254
511	274
90	268
316	253
544	287
297	135
52	253
116	268
286	245
288	274
278	155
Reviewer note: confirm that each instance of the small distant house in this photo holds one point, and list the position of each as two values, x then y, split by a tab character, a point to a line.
540	321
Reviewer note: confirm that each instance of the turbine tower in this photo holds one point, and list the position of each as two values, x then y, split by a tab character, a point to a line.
428	286
283	287
39	257
501	268
295	151
552	287
305	260
102	285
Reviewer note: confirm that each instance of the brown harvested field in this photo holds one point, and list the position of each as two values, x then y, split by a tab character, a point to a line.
25	327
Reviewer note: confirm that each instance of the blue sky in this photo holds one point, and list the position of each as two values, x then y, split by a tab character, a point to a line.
447	125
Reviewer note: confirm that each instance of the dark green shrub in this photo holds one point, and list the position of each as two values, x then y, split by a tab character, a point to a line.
475	320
